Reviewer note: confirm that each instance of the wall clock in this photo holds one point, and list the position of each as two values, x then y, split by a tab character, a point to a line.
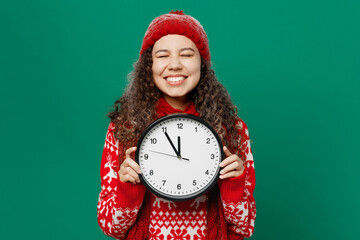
179	157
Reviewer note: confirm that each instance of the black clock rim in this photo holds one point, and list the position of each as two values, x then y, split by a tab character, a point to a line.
189	196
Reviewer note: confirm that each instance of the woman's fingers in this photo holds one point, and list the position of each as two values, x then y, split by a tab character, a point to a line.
131	163
129	169
232	165
227	152
127	178
127	174
228	160
230	175
129	151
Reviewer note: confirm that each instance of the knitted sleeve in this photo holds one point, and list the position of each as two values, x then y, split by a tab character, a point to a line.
237	194
119	202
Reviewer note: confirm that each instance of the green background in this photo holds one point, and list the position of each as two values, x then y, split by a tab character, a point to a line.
292	68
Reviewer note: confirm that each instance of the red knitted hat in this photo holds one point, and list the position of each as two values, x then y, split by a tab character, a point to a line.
177	23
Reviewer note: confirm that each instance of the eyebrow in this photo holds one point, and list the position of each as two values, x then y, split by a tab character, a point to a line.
183	49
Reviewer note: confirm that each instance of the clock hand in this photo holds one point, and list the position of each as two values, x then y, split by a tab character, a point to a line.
172	145
179	146
169	155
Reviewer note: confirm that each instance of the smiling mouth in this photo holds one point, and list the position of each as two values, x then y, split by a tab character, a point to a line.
176	80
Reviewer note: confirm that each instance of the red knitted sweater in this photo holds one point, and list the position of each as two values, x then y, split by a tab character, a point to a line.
128	211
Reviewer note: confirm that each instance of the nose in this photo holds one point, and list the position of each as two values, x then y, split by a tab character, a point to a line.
175	63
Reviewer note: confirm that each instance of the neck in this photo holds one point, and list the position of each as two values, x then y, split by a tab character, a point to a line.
178	102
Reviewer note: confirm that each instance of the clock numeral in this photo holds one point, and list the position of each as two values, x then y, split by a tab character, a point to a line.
146	157
164	129
212	156
194	182
179	186
195	129
164	181
153	140
207	172
151	172
180	126
208	141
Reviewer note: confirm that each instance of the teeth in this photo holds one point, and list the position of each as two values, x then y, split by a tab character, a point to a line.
175	79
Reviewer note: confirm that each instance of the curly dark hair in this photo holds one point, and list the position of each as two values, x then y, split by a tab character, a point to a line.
135	109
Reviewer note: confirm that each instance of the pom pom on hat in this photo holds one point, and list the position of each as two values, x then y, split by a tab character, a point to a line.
177	23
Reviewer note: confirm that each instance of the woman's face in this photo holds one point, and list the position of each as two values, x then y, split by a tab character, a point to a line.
176	68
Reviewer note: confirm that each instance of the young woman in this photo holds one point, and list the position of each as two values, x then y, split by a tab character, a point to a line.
173	75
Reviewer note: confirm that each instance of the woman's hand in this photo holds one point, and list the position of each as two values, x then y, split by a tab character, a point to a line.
129	169
232	165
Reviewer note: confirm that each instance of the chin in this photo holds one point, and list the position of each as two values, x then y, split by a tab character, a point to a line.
177	95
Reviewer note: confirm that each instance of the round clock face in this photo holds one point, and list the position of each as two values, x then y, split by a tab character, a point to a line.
179	157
